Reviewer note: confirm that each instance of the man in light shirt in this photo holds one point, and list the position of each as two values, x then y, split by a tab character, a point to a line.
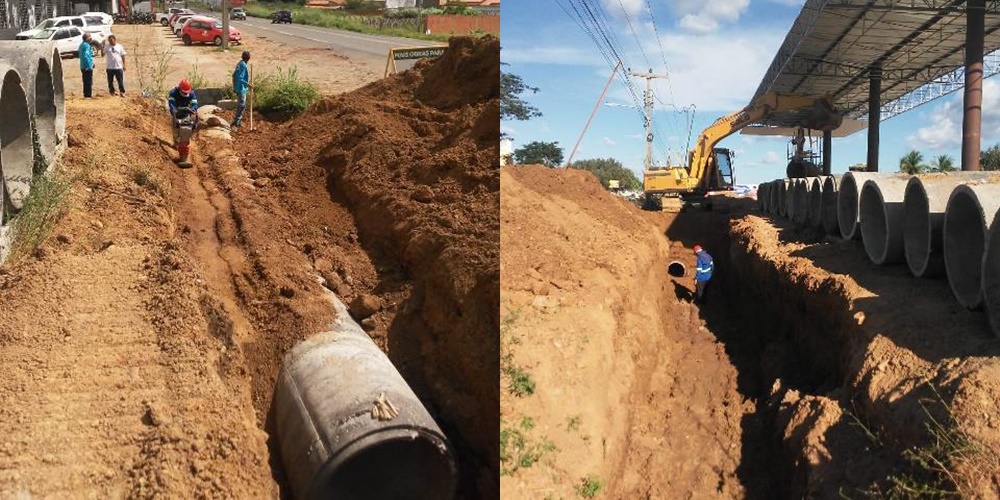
114	59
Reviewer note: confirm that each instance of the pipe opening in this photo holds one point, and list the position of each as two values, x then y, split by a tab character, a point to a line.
916	228
16	150
874	228
676	269
408	467
45	110
847	207
964	241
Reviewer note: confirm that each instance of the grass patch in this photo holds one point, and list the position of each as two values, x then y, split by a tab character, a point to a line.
521	383
590	486
146	178
43	207
573	423
338	20
518	451
283	92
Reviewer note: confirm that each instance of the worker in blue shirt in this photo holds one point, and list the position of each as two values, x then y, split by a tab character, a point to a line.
87	65
183	102
241	85
703	273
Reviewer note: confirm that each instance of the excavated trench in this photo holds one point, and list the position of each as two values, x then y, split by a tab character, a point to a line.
789	342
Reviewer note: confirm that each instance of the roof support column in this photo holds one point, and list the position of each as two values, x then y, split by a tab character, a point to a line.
827	151
874	114
972	114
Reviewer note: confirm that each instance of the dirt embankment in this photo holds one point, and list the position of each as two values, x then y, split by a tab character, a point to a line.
609	381
411	162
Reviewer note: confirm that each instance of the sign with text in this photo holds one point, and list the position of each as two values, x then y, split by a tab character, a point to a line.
408	53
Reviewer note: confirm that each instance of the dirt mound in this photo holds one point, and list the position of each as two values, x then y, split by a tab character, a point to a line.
415	158
606	374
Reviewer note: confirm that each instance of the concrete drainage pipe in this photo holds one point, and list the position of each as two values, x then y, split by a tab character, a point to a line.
783	195
335	444
34	62
848	199
762	196
773	195
17	154
829	210
814	213
923	219
677	269
991	278
800	200
967	221
790	198
881	218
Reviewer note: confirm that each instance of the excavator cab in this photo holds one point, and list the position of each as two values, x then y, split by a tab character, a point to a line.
723	178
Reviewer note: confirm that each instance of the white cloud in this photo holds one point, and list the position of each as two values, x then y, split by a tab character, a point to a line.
508	130
770	158
631	7
575	55
608	141
703	17
945	128
789	3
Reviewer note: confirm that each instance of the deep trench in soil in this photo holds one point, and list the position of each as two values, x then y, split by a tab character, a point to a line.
766	339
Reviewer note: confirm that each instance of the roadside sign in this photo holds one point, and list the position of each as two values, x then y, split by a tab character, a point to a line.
407	53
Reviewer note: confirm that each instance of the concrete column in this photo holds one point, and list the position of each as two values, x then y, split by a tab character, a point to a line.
827	151
972	116
874	114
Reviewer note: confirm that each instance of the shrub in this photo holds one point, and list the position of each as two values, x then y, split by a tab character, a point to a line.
283	92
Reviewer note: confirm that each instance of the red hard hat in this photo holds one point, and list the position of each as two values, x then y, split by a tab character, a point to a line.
697	248
185	86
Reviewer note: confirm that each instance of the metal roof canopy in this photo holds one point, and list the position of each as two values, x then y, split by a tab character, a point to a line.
919	44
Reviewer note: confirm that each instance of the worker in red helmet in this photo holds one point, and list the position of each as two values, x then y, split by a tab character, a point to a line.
184	113
702	273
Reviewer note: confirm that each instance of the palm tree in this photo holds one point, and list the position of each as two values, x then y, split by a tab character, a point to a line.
911	163
943	163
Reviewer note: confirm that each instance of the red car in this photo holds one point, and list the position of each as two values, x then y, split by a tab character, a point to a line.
207	30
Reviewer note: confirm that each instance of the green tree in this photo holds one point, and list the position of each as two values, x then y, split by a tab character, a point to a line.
544	153
943	163
512	107
990	159
912	163
609	168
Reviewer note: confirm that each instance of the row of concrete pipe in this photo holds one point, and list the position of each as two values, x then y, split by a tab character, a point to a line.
32	111
943	224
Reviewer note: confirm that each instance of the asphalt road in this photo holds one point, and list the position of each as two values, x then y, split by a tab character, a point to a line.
371	50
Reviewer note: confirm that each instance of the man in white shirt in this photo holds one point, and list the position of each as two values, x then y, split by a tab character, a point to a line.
114	58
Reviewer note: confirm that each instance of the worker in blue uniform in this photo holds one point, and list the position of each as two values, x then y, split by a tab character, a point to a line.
703	273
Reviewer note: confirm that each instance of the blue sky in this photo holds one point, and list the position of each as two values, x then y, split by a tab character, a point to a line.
716	53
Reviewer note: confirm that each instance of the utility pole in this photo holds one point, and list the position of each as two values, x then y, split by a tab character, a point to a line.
225	25
648	101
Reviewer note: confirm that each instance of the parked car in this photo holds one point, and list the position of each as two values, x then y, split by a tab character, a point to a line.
178	24
238	13
164	17
98	24
207	30
173	17
67	39
53	22
282	16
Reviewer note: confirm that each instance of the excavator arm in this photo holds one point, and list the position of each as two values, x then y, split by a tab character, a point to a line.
702	166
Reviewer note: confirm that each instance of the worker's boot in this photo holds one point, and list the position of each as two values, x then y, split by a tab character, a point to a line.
185	152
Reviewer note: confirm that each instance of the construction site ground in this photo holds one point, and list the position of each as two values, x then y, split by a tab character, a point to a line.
139	343
808	371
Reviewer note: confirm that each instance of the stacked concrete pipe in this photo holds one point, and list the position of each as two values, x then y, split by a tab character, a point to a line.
790	198
335	440
814	214
991	278
40	68
782	195
762	197
968	219
849	199
829	210
800	201
881	217
923	221
17	153
774	198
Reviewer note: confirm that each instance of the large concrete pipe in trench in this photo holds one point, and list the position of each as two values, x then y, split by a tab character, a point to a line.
829	211
848	200
40	67
881	217
968	218
334	444
923	219
17	153
814	214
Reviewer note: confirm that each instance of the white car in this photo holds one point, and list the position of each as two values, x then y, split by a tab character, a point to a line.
98	24
179	23
53	22
67	40
163	17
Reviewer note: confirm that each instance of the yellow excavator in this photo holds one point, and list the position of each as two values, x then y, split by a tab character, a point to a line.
711	168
